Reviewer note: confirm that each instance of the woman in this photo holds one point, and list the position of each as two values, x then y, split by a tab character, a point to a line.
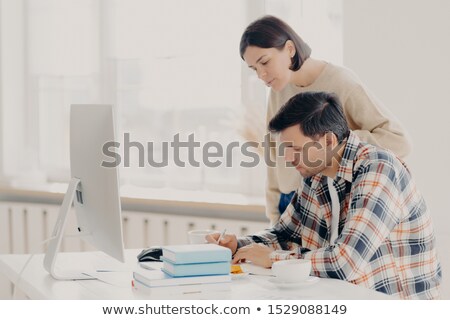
282	61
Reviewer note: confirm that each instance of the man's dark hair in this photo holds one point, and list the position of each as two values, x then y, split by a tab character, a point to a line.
316	113
271	32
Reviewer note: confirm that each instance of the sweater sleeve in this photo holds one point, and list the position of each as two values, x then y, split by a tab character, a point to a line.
375	124
273	192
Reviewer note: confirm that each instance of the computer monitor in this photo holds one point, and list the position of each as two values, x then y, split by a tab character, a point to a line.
93	188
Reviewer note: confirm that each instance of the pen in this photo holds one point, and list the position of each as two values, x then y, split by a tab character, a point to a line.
221	236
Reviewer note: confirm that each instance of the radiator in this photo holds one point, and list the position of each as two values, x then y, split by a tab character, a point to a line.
24	226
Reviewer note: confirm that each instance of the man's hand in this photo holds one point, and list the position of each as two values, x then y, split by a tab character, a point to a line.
229	241
257	253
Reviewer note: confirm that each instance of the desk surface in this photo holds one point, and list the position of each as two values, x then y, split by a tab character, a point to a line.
36	283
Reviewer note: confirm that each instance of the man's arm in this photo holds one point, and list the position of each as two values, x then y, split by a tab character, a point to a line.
283	238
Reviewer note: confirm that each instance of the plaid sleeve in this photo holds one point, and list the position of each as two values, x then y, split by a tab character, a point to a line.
373	214
281	237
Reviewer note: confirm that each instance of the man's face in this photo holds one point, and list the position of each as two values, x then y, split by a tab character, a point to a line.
308	156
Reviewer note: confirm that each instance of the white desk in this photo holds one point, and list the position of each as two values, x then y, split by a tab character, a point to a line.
36	283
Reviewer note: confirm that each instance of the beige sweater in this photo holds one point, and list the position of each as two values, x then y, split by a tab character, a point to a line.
366	116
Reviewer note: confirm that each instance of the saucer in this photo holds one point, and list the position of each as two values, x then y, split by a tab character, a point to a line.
243	272
289	284
235	276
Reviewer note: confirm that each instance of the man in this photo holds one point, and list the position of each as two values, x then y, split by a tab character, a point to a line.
358	215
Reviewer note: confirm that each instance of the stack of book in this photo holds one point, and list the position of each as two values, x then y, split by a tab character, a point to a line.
196	260
189	265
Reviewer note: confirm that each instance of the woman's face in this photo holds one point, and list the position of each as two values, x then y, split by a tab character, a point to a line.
271	64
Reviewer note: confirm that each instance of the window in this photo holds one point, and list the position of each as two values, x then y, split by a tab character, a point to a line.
169	67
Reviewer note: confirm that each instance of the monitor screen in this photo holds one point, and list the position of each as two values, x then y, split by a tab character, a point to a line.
93	189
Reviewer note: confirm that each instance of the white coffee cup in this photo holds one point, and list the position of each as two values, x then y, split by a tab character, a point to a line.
295	270
198	236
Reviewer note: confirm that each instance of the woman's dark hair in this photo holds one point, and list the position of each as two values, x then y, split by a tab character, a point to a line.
316	113
271	32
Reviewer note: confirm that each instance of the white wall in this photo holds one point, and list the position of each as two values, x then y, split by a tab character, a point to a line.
401	51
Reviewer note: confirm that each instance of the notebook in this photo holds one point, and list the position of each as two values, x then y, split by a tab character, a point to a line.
170	291
158	278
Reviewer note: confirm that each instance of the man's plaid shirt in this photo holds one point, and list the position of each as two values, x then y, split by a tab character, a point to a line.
386	240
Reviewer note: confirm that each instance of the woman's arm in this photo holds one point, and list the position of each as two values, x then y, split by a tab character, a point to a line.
374	124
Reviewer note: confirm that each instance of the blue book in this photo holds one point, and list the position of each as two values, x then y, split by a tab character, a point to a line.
196	269
196	253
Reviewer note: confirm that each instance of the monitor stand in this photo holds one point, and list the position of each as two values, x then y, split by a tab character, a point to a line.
57	235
